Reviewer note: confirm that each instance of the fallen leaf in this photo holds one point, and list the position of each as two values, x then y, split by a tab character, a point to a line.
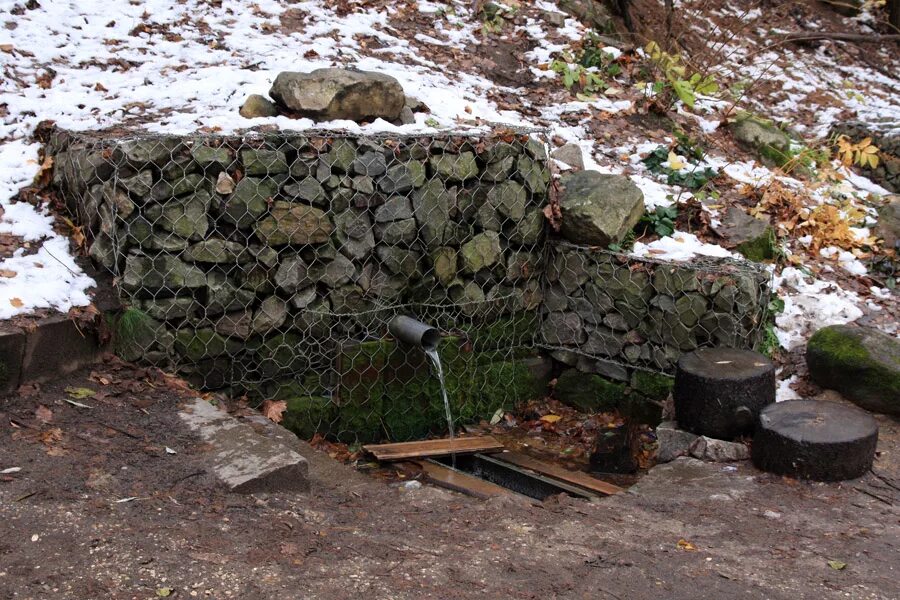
274	409
675	163
16	302
686	545
7	273
170	451
164	592
78	404
43	414
551	418
837	565
224	184
10	470
51	436
79	393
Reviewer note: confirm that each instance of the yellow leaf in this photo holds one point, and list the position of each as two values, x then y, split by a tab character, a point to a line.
686	545
274	410
837	565
551	418
16	302
79	393
675	163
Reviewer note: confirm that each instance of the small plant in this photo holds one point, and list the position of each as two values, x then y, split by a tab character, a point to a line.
625	245
862	154
675	77
492	18
664	161
577	78
662	220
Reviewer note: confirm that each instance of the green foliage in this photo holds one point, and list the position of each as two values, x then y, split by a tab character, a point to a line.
134	331
770	343
674	77
662	220
586	72
493	18
693	179
626	244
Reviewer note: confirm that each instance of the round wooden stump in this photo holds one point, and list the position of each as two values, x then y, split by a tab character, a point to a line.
812	439
720	391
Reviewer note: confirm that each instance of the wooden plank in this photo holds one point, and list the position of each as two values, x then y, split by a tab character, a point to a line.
556	472
457	481
403	450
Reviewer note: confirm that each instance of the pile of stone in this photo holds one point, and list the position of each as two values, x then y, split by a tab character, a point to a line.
333	95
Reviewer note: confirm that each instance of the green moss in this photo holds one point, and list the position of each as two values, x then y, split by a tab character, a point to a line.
760	249
134	332
588	392
654	386
503	333
307	415
863	365
642	410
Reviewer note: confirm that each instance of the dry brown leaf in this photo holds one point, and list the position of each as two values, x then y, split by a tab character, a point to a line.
51	436
16	302
274	410
43	414
7	273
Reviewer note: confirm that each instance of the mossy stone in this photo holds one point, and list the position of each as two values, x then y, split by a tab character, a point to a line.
308	415
198	344
761	248
655	386
588	392
862	364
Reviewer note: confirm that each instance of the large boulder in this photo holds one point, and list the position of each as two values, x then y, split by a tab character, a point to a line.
599	209
768	142
329	94
888	227
862	364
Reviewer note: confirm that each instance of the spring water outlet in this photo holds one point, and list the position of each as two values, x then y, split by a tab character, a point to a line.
413	332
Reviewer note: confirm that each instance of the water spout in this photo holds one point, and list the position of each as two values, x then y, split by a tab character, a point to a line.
416	333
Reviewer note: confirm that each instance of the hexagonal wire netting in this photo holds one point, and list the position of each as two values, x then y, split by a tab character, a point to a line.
271	264
610	313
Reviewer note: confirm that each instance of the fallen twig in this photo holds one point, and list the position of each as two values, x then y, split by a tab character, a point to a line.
873	495
810	36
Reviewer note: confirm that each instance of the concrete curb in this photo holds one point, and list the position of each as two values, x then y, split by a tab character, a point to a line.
243	458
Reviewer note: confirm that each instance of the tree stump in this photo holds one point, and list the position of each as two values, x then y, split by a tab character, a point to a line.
812	439
720	391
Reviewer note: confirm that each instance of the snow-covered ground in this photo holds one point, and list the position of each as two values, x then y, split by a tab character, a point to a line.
188	65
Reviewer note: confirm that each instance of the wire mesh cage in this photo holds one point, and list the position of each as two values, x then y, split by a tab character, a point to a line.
610	313
270	264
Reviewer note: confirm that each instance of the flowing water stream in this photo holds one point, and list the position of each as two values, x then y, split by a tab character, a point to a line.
436	361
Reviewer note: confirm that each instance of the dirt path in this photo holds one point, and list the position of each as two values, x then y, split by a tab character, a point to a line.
67	531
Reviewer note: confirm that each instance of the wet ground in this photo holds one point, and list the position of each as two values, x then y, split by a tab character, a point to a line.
114	501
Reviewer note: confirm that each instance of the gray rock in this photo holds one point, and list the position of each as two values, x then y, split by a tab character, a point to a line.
216	251
207	156
714	450
354	233
166	309
431	206
603	342
569	154
118	200
263	162
157	151
509	198
395	208
397	232
861	363
187	217
249	201
340	157
334	273
163	190
370	163
770	143
303	298
675	281
563	329
139	184
271	314
888	226
307	190
673	442
292	274
523	265
236	324
401	178
481	252
258	106
399	261
294	224
161	272
534	174
454	168
329	94
529	230
223	296
499	170
444	264
599	209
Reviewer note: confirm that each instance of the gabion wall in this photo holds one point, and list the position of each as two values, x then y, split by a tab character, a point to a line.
271	265
607	313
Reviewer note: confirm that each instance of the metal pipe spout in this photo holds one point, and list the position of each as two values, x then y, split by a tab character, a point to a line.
413	332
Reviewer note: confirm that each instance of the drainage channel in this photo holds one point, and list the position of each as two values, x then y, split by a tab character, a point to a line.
512	477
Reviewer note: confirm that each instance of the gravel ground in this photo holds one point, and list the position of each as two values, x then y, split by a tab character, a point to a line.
101	509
